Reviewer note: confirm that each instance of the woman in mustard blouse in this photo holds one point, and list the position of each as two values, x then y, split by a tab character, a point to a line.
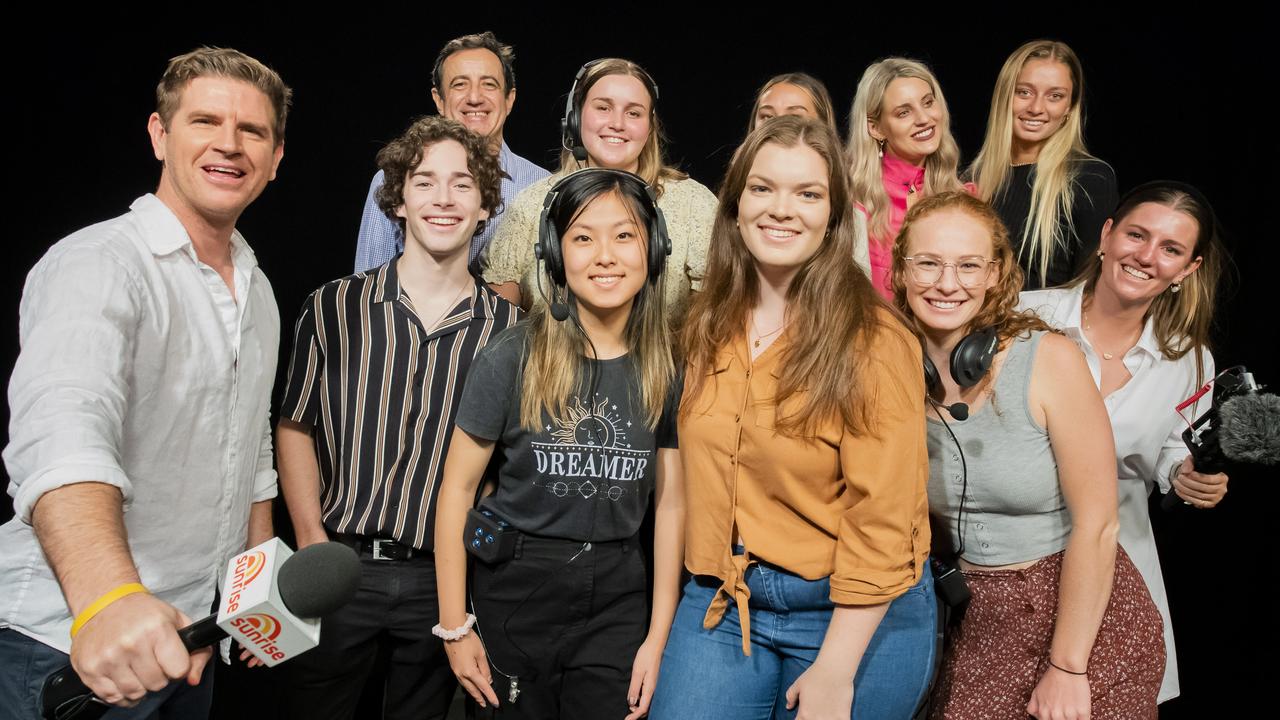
802	437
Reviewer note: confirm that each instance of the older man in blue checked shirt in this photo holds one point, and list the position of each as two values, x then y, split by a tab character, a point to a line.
474	83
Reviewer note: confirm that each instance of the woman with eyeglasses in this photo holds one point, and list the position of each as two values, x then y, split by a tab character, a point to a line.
1140	311
1023	480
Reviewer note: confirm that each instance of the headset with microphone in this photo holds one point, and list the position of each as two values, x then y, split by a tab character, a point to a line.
551	254
571	122
970	360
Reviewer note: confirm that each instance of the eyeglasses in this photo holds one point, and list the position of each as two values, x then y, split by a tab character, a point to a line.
971	271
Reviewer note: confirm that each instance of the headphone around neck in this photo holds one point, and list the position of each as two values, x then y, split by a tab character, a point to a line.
571	122
970	361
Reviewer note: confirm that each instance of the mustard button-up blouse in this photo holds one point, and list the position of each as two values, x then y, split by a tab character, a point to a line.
839	504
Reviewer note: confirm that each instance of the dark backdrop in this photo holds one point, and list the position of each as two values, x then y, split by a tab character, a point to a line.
1164	98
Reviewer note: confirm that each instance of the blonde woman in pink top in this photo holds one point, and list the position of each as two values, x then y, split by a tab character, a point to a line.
900	150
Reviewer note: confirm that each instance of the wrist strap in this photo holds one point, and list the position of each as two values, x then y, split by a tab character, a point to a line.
457	634
1069	672
101	604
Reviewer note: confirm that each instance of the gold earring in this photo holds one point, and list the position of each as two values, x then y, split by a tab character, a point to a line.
1101	254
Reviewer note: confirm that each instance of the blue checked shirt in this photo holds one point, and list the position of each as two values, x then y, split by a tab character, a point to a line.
381	239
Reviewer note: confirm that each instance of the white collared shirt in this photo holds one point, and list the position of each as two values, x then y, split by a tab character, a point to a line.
139	369
1148	434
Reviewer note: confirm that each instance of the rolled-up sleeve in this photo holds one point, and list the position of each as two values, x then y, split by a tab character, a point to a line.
69	391
264	477
1175	449
883	537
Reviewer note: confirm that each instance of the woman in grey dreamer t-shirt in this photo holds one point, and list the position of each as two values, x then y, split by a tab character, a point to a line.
574	408
1024	483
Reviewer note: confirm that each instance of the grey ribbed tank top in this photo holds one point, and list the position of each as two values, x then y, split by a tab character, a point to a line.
1014	511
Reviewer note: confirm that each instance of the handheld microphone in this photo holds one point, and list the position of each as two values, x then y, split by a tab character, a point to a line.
271	603
1241	427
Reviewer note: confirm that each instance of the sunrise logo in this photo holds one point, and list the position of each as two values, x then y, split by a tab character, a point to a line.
254	563
266	625
248	567
260	631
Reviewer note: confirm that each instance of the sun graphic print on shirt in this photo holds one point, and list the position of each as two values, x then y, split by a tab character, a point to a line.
589	455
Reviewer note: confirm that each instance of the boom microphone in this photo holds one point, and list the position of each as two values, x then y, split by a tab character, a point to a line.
1241	427
274	619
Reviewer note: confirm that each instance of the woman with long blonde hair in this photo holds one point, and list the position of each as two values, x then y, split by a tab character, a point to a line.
578	405
900	149
1034	168
802	436
610	121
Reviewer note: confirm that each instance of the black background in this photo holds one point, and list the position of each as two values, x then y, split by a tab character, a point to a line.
1165	98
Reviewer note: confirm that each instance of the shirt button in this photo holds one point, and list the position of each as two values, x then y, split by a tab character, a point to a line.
980	527
985	546
737	418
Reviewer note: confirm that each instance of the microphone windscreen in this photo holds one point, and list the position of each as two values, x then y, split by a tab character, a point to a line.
319	579
1249	429
959	411
559	311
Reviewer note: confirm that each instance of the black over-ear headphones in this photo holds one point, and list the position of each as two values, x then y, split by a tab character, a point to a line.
548	249
571	122
970	360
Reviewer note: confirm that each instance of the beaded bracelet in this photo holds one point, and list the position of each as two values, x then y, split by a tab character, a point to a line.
457	634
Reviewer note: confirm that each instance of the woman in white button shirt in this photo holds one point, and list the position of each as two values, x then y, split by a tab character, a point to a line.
1141	311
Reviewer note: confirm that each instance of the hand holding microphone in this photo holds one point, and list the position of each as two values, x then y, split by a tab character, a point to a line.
1241	427
271	603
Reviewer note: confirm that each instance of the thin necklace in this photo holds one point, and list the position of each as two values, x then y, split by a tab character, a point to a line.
448	306
761	336
1088	327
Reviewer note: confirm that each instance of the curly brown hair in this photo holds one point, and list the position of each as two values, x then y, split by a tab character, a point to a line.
402	155
999	307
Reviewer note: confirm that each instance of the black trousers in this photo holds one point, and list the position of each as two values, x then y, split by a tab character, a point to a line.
562	621
392	613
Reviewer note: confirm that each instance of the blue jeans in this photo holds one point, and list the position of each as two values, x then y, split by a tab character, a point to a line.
705	676
25	663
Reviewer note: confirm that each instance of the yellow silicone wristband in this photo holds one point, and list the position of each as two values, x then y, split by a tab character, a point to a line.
101	604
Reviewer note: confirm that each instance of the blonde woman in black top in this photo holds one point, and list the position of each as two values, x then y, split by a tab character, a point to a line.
1034	168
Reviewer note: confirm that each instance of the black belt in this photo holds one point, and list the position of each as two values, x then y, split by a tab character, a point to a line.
380	548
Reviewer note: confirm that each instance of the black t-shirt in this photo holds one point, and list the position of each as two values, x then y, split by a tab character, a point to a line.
1093	198
587	476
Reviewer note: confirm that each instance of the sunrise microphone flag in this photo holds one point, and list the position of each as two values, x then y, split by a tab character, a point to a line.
272	601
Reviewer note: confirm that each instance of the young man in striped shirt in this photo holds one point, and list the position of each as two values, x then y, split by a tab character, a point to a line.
379	363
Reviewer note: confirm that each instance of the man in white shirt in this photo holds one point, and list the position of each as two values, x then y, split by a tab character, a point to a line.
140	454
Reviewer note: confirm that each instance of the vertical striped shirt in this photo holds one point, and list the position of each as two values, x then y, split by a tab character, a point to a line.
381	391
